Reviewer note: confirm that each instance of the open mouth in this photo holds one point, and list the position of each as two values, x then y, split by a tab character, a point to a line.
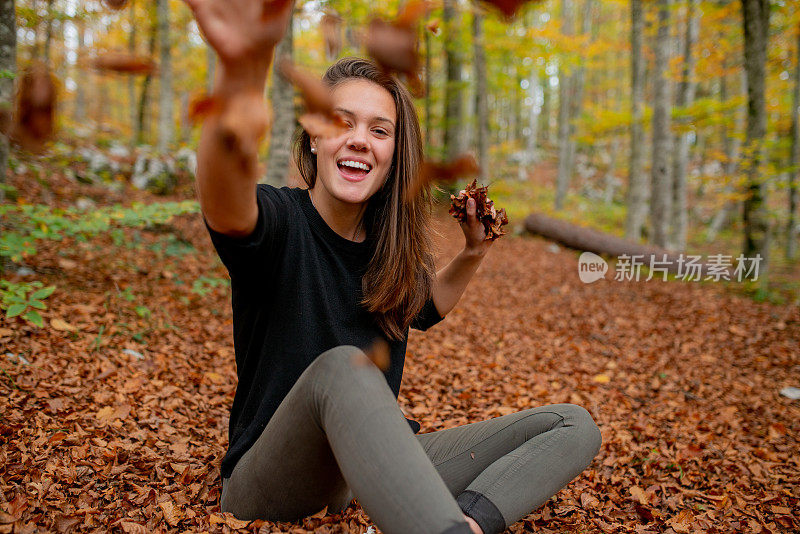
351	168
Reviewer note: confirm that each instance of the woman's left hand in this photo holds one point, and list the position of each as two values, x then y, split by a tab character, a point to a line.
474	232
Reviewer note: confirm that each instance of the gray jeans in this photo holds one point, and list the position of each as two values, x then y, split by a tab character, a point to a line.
340	434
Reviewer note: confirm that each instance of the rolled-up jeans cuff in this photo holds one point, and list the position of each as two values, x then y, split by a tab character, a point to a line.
482	510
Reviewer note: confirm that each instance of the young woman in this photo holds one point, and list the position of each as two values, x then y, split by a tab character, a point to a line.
317	274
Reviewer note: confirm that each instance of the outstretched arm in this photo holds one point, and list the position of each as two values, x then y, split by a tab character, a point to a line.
243	33
452	279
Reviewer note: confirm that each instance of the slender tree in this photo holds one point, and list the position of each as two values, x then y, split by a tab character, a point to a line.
283	115
454	108
166	123
132	79
755	15
660	206
8	68
481	90
794	161
565	94
638	190
686	91
144	93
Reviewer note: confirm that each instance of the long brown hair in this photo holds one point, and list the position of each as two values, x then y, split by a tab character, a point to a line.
399	277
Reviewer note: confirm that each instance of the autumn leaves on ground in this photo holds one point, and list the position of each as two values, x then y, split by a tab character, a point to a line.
114	415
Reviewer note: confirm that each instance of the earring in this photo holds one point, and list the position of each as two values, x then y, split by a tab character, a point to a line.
313	150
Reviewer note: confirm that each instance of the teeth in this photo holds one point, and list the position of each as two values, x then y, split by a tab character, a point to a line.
355	164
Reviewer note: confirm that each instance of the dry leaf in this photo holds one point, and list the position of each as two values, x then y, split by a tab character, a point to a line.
204	106
602	379
331	27
34	113
124	63
61	325
493	220
321	119
442	172
393	44
172	513
639	494
508	8
115	4
379	354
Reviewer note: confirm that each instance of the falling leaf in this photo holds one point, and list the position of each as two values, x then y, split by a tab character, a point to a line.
379	354
393	44
124	62
602	379
320	118
34	114
61	325
431	171
493	220
115	4
204	106
433	26
508	8
331	27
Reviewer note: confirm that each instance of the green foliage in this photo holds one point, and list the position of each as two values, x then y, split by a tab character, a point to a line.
203	285
23	299
25	225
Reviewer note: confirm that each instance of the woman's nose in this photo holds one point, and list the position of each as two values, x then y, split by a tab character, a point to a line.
357	140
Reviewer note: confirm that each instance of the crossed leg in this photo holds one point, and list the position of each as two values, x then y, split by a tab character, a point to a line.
502	469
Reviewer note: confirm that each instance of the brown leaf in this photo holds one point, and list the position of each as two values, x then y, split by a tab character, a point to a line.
508	8
115	4
34	114
433	26
493	220
124	63
379	354
320	119
204	106
393	44
61	325
172	513
131	527
443	172
331	27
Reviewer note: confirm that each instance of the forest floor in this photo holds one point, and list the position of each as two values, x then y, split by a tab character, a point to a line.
114	415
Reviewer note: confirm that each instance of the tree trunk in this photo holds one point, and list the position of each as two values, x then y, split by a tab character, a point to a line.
454	108
638	190
732	144
565	86
794	161
544	116
48	35
576	100
133	112
533	121
8	63
590	240
428	97
283	115
166	123
144	95
660	206
79	112
756	225
686	91
481	90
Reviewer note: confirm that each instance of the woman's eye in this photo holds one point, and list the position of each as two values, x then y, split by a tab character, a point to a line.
380	131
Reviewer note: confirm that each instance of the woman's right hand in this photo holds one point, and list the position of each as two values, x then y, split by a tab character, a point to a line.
242	32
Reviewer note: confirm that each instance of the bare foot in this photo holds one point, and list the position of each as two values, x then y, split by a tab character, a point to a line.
473	525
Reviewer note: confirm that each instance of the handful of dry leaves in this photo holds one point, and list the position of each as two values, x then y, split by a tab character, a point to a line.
493	219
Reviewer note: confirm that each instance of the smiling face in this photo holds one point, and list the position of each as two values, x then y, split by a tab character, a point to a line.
354	166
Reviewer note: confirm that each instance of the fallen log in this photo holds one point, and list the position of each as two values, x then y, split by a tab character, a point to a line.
590	240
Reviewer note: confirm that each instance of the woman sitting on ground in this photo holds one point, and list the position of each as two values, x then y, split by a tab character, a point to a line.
317	275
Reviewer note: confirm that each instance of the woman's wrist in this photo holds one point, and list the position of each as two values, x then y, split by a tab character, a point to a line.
242	76
474	252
